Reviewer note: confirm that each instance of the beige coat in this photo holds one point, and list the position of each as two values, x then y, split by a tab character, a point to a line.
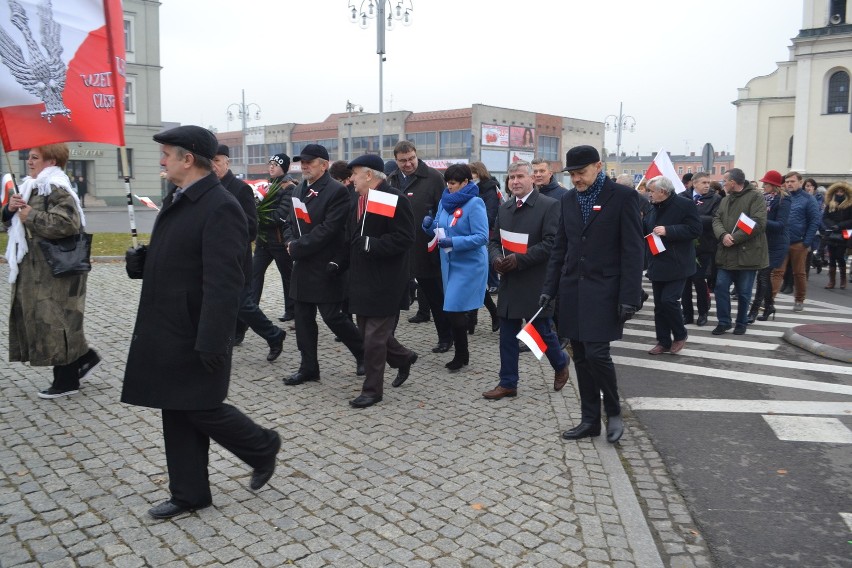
46	317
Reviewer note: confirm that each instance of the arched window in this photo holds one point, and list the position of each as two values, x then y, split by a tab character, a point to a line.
838	93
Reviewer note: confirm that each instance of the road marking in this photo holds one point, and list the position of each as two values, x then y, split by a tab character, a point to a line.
728	357
752	332
793	407
847	517
714	341
809	429
772	380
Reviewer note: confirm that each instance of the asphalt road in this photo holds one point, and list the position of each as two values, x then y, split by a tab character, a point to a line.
756	432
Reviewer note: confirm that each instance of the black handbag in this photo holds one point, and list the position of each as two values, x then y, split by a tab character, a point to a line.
68	256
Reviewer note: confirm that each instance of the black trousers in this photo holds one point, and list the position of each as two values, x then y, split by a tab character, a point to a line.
307	333
433	289
668	317
595	375
702	289
263	257
380	347
251	316
187	435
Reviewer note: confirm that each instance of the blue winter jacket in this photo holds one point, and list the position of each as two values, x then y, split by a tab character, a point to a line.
804	217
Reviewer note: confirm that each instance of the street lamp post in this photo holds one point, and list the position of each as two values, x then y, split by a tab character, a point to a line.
350	106
368	10
243	111
619	124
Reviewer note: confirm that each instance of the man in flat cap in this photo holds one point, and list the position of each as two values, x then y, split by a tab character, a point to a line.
315	237
250	314
380	233
596	268
180	352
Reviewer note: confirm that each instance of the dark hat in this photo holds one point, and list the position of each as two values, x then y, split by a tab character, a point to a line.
282	160
193	139
773	177
390	167
686	178
579	157
223	151
311	152
371	161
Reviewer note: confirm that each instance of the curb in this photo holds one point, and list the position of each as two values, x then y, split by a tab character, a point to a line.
817	348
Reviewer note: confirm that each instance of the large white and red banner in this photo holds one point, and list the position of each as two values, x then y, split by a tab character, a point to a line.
662	166
63	72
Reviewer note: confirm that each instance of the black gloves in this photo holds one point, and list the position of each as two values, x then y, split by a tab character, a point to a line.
212	361
135	261
544	301
509	264
625	312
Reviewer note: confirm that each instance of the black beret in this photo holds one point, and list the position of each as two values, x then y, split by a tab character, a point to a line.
193	139
223	151
579	157
371	161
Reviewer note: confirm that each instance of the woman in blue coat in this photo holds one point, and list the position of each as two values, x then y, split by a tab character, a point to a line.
777	212
461	227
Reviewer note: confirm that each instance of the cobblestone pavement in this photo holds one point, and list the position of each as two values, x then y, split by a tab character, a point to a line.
432	476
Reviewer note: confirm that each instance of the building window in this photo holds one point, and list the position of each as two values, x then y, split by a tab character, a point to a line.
689	170
722	170
332	147
273	149
548	148
298	146
611	172
129	38
426	144
790	153
714	170
129	162
257	154
680	170
389	141
365	145
454	144
130	100
838	93
236	152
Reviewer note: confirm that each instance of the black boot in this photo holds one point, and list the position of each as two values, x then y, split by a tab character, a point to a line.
492	311
472	320
462	356
755	309
769	310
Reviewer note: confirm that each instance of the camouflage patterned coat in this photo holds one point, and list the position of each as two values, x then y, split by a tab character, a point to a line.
46	318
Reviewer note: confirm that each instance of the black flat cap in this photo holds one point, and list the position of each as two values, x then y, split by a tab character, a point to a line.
312	152
223	151
579	157
193	139
371	161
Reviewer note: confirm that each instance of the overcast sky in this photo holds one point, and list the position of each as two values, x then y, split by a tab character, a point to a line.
676	64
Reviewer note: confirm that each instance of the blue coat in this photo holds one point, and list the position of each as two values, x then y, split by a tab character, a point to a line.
805	217
777	215
464	269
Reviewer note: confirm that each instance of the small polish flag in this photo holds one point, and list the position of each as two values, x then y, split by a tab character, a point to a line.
433	243
381	203
301	210
746	224
662	166
515	242
146	201
533	340
847	233
596	207
655	243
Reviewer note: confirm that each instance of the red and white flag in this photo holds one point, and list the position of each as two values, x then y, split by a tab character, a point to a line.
515	242
146	201
746	224
847	233
63	72
433	243
381	203
662	166
301	210
529	335
260	187
655	243
8	187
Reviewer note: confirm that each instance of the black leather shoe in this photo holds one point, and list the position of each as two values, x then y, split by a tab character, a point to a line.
168	510
688	321
363	401
238	339
418	318
739	330
584	430
721	329
701	321
614	429
402	374
261	475
300	377
359	368
288	316
442	347
276	347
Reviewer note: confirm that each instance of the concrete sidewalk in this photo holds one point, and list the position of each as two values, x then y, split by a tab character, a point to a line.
432	476
830	340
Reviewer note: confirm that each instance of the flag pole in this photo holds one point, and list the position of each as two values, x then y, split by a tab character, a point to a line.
125	173
536	315
364	216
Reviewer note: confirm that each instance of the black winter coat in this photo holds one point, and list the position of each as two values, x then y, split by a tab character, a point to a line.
245	197
488	193
680	218
707	206
553	190
191	288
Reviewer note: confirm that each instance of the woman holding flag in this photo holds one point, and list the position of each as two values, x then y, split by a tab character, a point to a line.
778	241
461	231
46	317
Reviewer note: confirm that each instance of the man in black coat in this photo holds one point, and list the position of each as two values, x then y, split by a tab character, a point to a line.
674	220
250	314
596	268
707	201
523	237
424	186
180	354
315	236
544	182
380	233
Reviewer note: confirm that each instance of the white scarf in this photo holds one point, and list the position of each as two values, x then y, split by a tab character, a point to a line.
17	247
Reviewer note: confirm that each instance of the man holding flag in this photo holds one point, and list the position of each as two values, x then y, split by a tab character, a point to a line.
523	238
380	235
740	227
